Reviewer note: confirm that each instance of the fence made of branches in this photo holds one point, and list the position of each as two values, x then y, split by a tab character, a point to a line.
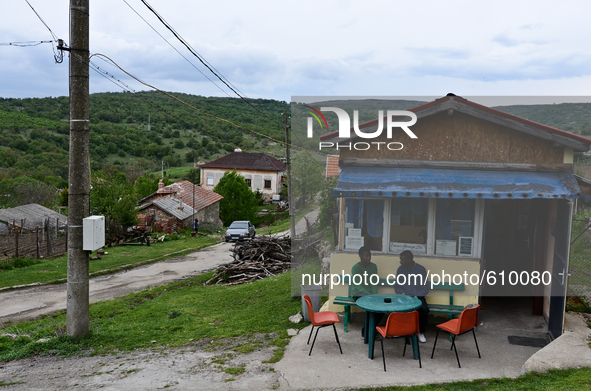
20	239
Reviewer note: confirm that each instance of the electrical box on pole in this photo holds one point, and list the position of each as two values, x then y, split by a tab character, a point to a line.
93	233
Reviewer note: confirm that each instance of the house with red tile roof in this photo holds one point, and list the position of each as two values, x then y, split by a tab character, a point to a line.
260	171
180	203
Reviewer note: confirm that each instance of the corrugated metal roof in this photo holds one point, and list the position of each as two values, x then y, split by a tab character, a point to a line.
174	207
358	181
32	214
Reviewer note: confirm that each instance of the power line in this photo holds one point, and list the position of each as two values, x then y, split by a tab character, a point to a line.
199	110
24	44
172	46
42	21
58	57
211	68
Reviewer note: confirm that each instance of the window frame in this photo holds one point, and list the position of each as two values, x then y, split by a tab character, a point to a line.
265	184
431	227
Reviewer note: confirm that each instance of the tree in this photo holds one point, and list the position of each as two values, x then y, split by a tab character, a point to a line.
113	196
26	190
239	202
328	217
145	185
306	175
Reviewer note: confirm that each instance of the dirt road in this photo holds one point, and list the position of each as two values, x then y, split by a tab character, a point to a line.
27	303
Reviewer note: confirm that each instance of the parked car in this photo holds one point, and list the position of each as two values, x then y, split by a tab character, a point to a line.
240	230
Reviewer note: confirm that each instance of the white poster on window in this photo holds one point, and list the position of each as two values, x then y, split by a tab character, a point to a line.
445	247
354	232
353	243
416	248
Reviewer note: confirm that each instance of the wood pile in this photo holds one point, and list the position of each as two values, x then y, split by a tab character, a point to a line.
255	259
137	236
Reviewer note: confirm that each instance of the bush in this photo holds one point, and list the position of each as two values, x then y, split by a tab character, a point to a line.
12	263
258	194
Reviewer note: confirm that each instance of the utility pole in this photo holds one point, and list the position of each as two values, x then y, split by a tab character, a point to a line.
289	193
193	190
79	175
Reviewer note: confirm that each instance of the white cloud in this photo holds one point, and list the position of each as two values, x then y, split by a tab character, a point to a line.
278	49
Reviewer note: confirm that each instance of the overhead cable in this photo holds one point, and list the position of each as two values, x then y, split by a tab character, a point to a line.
204	62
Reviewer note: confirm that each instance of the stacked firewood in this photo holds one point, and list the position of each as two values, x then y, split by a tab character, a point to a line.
255	259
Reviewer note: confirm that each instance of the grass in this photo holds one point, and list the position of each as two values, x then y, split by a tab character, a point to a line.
283	225
235	370
52	270
209	314
564	380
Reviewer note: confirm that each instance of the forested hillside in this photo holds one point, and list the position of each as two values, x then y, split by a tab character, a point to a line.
134	133
132	129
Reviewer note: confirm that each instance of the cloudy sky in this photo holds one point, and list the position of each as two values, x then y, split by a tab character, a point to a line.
279	49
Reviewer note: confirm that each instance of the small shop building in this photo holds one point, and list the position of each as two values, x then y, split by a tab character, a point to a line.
479	193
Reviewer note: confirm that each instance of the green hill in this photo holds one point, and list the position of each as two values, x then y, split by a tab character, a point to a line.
135	131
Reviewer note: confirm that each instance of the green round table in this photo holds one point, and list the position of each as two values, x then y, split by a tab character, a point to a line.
377	304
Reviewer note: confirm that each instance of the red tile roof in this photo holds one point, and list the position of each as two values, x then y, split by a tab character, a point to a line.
247	161
184	191
332	166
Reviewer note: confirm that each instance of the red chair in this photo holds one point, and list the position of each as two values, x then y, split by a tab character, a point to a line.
467	321
399	325
320	320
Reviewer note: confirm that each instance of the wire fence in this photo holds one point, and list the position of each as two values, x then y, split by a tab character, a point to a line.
579	282
21	240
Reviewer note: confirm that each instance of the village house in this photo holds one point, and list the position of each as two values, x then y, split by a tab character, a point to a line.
176	205
260	171
479	193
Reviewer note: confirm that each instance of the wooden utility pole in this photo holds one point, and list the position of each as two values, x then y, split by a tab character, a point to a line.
79	176
289	194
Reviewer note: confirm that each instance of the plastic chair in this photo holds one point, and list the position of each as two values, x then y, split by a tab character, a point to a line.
399	325
467	321
320	320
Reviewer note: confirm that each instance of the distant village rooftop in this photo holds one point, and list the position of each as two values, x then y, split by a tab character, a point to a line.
247	161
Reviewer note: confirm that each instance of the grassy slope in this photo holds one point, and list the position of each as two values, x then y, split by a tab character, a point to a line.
172	315
564	380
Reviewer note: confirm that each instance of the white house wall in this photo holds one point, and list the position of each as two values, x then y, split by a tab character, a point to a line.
257	179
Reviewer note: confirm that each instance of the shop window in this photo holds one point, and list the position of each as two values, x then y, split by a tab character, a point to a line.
364	224
408	225
454	227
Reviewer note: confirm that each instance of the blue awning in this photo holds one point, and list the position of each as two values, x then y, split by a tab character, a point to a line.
356	181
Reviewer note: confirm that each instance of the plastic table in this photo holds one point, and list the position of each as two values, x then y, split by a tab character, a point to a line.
374	304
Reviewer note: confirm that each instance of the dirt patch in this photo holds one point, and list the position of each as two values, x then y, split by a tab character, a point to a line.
207	364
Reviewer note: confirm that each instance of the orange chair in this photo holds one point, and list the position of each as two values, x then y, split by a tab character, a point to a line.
320	320
467	321
399	325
